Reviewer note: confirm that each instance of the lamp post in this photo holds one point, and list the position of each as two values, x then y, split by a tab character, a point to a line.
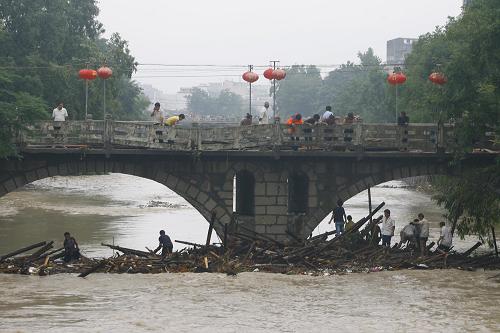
250	77
439	79
395	79
104	73
274	74
87	74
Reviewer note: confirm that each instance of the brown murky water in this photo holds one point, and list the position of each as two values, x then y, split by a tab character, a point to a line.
105	208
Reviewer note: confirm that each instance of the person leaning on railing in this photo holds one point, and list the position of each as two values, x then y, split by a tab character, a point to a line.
174	120
403	119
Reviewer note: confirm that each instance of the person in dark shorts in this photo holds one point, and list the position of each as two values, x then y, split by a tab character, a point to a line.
165	245
339	217
71	250
388	226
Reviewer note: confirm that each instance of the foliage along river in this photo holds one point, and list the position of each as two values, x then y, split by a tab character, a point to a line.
99	208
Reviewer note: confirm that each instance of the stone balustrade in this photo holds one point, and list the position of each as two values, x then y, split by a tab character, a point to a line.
146	135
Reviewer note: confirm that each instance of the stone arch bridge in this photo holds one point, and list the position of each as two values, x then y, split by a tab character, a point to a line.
271	179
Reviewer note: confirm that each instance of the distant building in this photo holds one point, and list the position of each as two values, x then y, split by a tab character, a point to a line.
398	49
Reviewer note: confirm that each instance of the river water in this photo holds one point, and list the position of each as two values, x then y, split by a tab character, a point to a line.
115	208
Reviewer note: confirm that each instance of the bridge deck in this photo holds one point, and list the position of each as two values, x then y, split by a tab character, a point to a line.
140	137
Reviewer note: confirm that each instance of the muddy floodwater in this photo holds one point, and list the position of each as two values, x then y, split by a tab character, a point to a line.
130	211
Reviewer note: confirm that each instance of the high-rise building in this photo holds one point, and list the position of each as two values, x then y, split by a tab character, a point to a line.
397	49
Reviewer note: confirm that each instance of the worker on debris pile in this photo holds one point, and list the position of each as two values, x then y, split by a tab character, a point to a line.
165	245
388	226
445	238
407	234
423	235
71	249
350	223
338	216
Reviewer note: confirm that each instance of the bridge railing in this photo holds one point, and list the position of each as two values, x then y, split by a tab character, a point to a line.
146	135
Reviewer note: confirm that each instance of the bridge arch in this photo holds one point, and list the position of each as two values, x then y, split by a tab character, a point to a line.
200	197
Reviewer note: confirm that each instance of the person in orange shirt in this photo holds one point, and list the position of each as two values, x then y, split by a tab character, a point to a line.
296	119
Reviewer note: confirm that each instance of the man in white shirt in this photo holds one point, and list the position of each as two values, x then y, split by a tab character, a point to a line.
388	226
157	115
424	233
59	113
264	115
446	238
327	114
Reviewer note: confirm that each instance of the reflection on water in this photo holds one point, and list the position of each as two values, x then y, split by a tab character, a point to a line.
99	208
409	301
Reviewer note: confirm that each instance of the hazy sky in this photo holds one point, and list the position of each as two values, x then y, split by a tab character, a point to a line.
232	32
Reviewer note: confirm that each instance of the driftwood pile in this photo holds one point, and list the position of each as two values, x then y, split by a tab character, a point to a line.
245	250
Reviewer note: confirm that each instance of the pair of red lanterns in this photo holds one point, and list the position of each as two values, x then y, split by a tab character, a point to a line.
399	78
90	74
270	74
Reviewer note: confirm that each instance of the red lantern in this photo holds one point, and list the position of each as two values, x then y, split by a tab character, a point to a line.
250	77
279	74
438	78
396	78
87	74
268	73
104	72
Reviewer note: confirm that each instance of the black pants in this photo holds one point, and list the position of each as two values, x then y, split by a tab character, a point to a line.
71	255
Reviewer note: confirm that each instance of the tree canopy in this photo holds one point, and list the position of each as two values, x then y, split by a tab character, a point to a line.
43	46
467	50
227	103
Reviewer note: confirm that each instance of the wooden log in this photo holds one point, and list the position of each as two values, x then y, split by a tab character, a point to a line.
295	237
472	249
189	243
494	240
94	268
41	251
210	228
321	236
127	250
44	255
22	250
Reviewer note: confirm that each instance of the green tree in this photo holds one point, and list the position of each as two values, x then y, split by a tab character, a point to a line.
467	50
298	92
361	89
43	44
226	103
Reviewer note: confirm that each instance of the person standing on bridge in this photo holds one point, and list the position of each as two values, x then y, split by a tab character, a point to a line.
339	217
165	245
388	226
328	113
174	120
247	121
157	115
264	115
59	113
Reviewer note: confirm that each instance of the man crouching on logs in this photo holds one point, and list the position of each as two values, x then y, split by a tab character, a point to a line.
165	245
